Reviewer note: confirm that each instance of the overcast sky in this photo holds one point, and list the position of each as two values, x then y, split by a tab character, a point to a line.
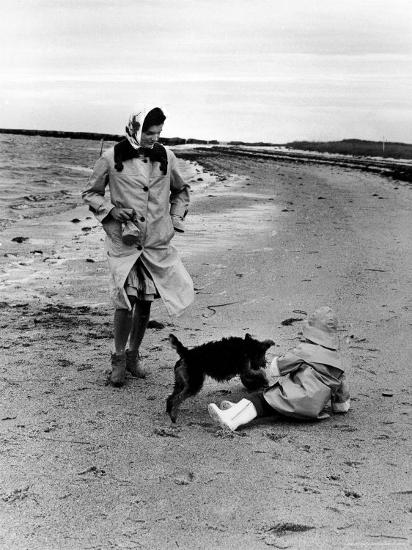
222	69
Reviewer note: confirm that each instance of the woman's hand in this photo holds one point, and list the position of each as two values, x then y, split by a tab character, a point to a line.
122	214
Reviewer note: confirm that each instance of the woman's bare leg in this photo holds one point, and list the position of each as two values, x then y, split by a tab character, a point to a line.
140	319
122	326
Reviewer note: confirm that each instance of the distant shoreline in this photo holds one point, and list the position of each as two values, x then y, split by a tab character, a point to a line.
352	147
99	136
392	168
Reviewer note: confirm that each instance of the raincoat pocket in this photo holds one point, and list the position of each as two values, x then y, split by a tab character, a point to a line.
112	228
114	243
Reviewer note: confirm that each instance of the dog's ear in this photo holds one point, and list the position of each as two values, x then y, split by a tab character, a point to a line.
267	344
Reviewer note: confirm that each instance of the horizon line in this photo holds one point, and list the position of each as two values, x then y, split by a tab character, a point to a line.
116	137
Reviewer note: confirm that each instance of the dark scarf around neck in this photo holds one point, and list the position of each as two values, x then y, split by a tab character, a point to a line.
124	151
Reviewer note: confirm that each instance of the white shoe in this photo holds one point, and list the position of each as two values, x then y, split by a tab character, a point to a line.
341	407
224	405
237	415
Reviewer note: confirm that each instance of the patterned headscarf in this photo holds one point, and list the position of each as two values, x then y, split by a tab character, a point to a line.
130	147
134	127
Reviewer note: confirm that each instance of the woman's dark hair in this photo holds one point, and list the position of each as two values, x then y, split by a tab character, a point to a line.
153	118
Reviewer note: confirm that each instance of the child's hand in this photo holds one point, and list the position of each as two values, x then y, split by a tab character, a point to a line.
122	214
273	369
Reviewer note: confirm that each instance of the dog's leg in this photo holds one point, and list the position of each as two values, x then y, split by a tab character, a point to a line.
178	386
177	400
176	391
186	385
181	382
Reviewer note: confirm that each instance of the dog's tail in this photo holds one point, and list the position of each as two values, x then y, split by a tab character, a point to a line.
178	346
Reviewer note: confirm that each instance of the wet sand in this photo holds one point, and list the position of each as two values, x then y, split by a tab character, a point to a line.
84	465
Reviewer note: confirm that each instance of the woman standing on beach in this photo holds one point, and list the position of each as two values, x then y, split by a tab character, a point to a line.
148	203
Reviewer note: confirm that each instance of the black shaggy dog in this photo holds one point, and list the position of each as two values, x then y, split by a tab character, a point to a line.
220	360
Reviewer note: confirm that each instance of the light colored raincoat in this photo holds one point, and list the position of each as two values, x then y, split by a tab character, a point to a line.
310	377
155	197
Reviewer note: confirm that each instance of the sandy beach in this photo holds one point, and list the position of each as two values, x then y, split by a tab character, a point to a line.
88	466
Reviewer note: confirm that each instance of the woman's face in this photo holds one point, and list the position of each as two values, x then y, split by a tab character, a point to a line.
151	135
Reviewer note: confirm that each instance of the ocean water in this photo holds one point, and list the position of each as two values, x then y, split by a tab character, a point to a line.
42	173
39	172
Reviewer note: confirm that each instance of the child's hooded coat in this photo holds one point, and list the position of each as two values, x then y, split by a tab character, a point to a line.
311	376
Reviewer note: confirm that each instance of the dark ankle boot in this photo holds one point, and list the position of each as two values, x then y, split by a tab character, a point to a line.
118	374
133	364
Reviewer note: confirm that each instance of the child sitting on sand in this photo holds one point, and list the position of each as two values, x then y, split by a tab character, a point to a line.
311	375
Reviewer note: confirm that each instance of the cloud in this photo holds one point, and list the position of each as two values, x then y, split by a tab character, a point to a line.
206	56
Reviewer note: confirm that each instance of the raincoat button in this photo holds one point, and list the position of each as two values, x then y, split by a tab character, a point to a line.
142	219
145	188
139	247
